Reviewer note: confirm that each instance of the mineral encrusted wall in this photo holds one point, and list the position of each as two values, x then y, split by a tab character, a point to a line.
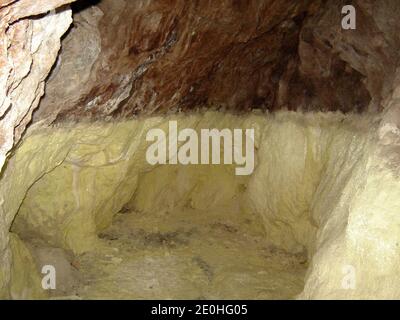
29	44
334	197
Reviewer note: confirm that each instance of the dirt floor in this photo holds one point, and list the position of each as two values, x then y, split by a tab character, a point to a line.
194	255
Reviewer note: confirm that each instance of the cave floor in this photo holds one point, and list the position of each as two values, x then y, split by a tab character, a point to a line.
195	255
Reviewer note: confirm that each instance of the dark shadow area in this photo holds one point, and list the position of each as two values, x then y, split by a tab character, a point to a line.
81	5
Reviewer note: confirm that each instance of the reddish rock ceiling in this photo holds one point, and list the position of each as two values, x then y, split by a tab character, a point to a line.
122	58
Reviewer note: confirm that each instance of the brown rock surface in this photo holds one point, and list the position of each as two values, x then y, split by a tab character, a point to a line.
153	56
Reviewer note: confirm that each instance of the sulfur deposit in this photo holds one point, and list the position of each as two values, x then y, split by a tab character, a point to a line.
87	189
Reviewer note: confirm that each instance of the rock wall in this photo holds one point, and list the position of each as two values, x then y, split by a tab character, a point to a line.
328	199
28	48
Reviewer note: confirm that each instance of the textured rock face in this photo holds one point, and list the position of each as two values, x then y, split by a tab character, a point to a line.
28	49
154	56
161	55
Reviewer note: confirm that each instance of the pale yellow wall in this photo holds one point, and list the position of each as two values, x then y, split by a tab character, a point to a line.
316	186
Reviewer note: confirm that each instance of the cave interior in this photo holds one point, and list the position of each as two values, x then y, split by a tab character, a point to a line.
83	82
